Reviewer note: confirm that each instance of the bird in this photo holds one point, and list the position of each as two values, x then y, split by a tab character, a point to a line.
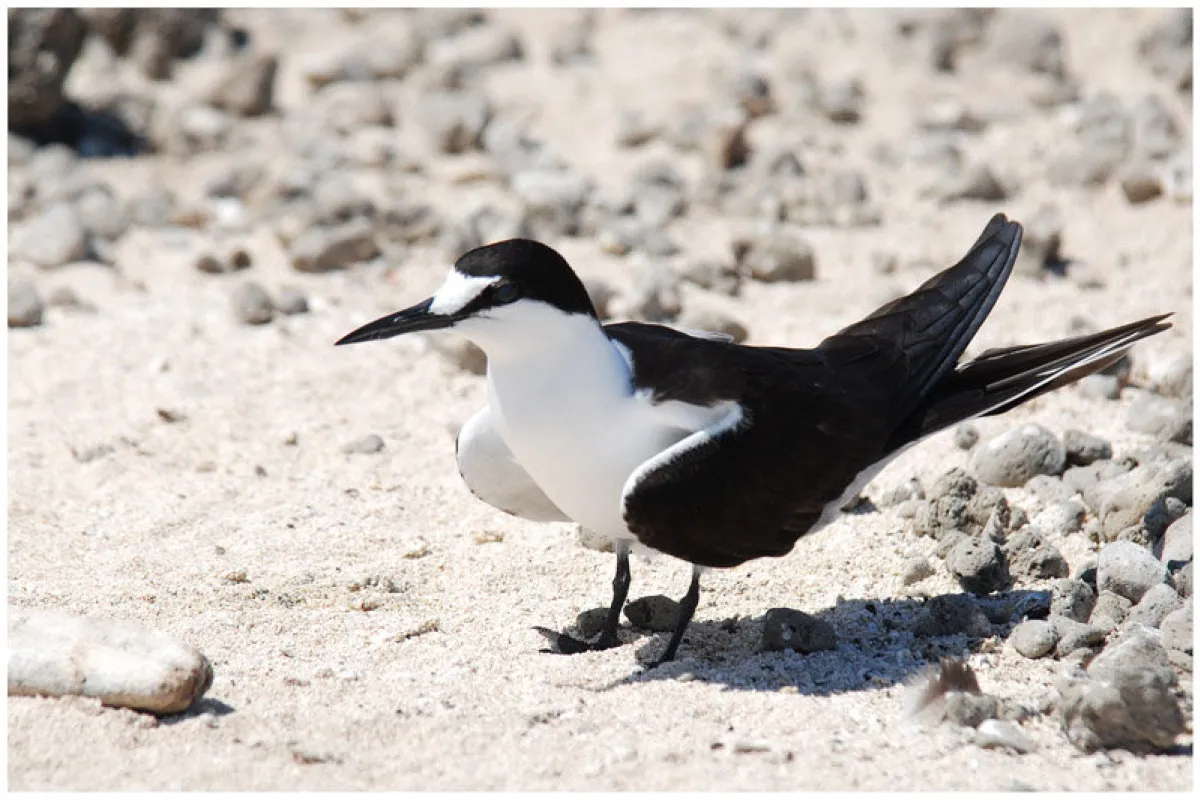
709	451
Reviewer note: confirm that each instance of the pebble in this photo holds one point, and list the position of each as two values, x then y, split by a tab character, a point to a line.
1040	243
979	565
700	317
1155	605
1134	709
1074	635
552	199
635	129
969	709
775	254
1170	374
51	238
371	443
1003	733
1140	183
1165	418
1155	131
1031	556
1073	599
248	88
789	629
717	276
1084	448
842	101
1033	638
752	91
1099	387
1129	570
1027	40
1177	630
1110	611
1063	517
654	613
336	199
1167	47
25	307
948	614
461	352
910	489
325	249
347	107
915	570
1018	454
454	121
101	213
290	300
1176	546
573	44
590	623
123	664
1182	580
656	295
723	140
966	435
251	304
977	182
477	47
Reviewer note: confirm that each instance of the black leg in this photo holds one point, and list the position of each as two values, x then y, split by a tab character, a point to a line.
569	645
608	637
687	608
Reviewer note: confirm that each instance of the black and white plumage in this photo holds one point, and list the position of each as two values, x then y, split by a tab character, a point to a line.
709	451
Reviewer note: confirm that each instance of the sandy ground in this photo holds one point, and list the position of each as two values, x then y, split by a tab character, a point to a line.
321	684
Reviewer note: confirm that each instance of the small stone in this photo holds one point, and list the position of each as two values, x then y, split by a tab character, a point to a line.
634	129
946	615
1155	605
1141	184
1027	40
1139	649
977	182
1177	630
1166	419
724	140
1110	611
51	238
656	295
552	198
290	300
347	107
1083	448
1099	387
654	612
1182	580
1062	517
994	733
454	121
965	436
475	48
1129	570
978	565
915	570
1033	638
1176	546
1031	556
249	87
699	317
970	710
753	93
842	101
908	490
252	305
589	623
1074	635
788	629
1135	709
25	307
325	249
1170	374
371	443
337	199
774	255
1073	599
101	213
592	540
1017	455
461	352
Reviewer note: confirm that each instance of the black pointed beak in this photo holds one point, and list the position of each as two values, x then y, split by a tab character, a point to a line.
410	320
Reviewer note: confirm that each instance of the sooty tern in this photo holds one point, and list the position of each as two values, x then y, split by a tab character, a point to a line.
713	452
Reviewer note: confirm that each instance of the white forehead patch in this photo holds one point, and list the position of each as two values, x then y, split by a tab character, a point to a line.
457	291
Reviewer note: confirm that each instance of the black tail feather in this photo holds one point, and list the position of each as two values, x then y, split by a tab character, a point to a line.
1001	379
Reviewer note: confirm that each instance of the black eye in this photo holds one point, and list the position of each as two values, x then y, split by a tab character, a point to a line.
506	292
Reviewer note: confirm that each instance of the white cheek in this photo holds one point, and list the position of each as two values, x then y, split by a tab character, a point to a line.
457	291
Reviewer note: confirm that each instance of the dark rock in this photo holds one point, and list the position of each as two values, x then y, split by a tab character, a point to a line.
1182	580
1129	570
1031	556
591	622
1072	599
654	613
775	254
1033	638
25	307
252	305
42	46
1017	455
454	121
325	249
788	629
946	615
369	444
979	565
1083	448
723	140
248	88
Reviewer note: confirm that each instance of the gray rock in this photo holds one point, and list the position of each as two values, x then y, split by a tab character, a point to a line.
915	570
654	613
977	182
775	254
1073	599
1156	132
476	48
1017	455
573	42
248	88
1177	630
552	199
842	101
1033	638
1099	387
1170	374
369	444
1164	418
979	565
1063	517
658	194
347	107
1110	611
590	623
325	249
101	213
908	490
1074	635
194	128
1026	40
948	114
635	129
1049	489
994	733
946	510
1155	605
656	295
965	436
1136	710
1140	183
1083	448
946	615
1031	556
970	710
1129	570
251	304
1092	481
454	121
411	222
42	46
290	300
1182	580
788	629
1141	497
25	307
1140	649
51	238
1176	545
336	198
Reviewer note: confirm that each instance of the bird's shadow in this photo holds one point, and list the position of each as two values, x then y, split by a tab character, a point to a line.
876	647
